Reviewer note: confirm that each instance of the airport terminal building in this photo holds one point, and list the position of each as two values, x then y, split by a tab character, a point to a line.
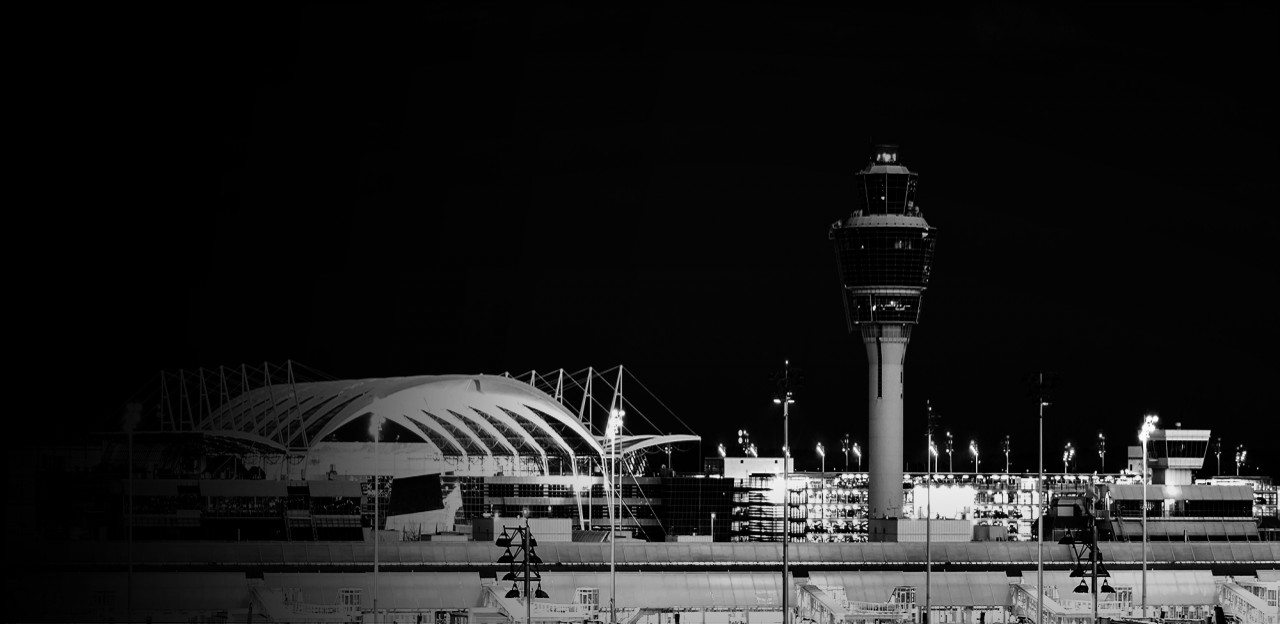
296	501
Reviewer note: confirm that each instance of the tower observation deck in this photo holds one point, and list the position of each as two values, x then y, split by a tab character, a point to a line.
884	251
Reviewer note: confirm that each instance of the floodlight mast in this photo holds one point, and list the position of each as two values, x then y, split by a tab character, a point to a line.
884	252
1148	426
787	380
614	432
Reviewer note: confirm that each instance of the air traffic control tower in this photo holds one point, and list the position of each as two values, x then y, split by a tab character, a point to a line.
885	253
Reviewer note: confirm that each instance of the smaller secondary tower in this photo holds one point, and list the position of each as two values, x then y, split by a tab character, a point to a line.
884	250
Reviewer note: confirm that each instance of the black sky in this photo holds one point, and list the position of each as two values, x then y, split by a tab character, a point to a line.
478	188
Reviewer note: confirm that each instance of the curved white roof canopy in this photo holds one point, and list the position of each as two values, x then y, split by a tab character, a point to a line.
456	414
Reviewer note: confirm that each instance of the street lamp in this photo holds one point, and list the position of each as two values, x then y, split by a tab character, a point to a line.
1006	446
973	450
933	457
1068	454
1080	541
786	381
713	526
950	447
375	429
1040	506
1102	452
1240	457
844	446
857	450
132	416
613	432
1144	434
1217	452
823	454
528	561
931	423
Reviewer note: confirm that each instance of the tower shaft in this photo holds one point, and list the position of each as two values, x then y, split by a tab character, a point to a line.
885	358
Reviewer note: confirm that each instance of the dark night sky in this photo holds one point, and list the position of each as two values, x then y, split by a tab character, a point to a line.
480	188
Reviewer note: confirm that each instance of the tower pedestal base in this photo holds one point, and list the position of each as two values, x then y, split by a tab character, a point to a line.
882	529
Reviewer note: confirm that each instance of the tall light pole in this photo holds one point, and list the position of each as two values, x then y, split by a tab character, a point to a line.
973	450
132	415
857	450
1068	454
844	446
930	451
1040	491
1102	452
786	381
1240	457
1217	452
744	441
931	423
1006	446
613	432
713	526
951	467
822	483
375	427
1144	434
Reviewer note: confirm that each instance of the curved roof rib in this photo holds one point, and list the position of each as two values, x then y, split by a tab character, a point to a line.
542	425
453	420
501	416
486	426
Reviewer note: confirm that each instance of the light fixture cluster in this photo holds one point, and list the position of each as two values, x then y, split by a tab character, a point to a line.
1084	547
524	562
